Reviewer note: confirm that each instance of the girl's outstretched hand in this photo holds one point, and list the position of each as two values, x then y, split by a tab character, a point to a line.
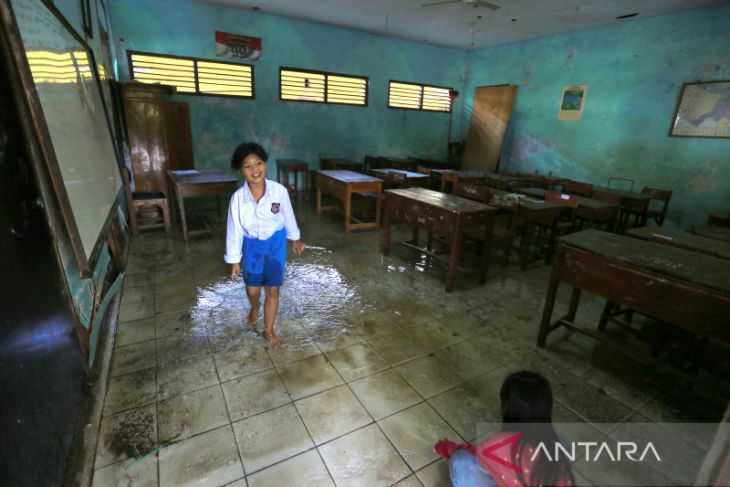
297	246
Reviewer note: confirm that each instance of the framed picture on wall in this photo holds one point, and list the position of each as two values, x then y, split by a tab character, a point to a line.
703	110
572	101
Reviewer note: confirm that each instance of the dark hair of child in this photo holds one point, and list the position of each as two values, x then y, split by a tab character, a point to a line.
527	407
244	150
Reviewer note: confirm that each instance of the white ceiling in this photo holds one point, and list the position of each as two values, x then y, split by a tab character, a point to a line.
462	25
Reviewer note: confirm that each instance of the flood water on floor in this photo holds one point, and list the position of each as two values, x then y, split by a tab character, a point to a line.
376	364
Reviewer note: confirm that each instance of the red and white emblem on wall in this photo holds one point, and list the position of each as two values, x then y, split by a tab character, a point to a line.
237	46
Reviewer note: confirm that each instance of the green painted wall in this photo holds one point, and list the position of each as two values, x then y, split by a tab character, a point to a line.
288	129
634	72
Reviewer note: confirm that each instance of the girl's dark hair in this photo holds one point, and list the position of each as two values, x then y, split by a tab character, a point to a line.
527	407
243	151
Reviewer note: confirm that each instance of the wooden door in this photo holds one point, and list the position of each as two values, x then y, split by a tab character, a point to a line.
492	111
145	119
179	136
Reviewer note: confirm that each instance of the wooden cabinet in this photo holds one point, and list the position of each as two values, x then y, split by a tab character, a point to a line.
158	134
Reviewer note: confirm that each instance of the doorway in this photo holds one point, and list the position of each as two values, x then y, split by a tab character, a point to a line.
489	120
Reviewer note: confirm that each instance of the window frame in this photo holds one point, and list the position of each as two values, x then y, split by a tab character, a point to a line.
195	61
422	85
326	74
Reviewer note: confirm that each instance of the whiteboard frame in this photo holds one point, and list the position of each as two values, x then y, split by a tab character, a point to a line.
33	110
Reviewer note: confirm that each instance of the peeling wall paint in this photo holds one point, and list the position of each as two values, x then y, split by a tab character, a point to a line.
634	72
288	129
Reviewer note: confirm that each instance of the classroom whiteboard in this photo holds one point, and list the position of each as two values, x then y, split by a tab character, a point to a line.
66	82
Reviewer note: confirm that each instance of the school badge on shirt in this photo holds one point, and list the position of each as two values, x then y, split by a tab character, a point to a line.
275	208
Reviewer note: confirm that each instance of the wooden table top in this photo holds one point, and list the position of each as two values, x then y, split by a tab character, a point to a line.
200	176
718	233
529	203
536	192
684	240
409	174
445	201
583	201
501	177
462	174
623	192
345	176
685	265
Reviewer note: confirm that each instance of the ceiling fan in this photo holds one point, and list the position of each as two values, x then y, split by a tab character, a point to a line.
475	3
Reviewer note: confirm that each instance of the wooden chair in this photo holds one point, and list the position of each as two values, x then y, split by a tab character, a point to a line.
370	163
283	176
472	191
451	178
578	188
662	195
622	219
719	219
153	208
501	234
394	179
603	218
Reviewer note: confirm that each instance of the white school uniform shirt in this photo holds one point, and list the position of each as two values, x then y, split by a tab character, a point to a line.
261	220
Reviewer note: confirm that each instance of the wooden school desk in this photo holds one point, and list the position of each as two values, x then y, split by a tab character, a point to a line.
414	178
500	181
717	233
444	215
532	213
684	288
341	185
199	182
284	167
683	240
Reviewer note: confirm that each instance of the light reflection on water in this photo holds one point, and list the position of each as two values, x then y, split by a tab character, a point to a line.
316	301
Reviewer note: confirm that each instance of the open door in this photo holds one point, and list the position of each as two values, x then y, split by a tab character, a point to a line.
492	111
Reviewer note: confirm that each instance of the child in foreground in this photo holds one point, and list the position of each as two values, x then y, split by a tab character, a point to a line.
507	458
260	220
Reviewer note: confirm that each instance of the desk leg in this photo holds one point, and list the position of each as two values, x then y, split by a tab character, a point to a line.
526	243
487	250
348	209
319	199
378	206
414	235
552	291
183	219
386	232
573	308
454	258
551	241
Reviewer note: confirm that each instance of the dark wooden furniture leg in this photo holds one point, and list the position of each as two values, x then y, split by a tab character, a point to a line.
348	209
386	232
547	311
454	257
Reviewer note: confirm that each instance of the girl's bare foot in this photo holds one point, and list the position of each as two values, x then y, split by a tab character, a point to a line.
271	338
253	318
